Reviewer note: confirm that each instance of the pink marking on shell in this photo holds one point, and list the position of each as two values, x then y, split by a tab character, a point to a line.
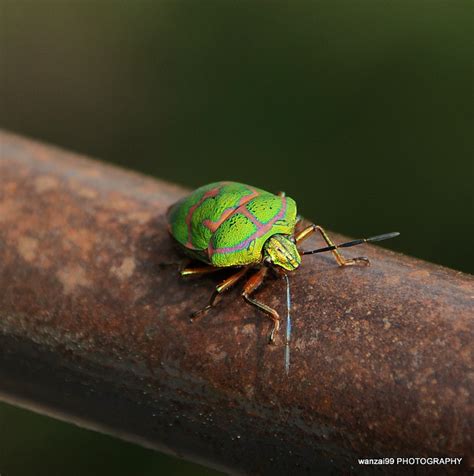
213	225
244	211
189	217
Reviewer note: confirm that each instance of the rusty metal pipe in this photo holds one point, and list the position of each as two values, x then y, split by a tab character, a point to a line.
95	331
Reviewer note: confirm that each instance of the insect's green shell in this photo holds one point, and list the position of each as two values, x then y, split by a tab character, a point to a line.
227	223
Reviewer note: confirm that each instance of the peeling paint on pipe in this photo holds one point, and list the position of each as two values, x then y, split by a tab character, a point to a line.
93	330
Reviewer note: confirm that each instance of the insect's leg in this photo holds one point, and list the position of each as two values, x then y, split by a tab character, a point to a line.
303	234
198	270
341	261
224	286
251	286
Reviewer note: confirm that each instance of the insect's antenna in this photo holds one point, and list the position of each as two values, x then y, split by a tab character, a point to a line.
348	244
288	325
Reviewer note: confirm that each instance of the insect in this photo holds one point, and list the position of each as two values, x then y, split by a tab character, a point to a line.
232	225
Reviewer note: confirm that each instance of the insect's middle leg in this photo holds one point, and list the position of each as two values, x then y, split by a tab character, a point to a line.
341	261
251	286
224	286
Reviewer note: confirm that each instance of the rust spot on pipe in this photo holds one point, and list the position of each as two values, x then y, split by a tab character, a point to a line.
27	247
93	329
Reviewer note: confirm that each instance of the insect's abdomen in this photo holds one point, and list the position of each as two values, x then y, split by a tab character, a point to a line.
194	219
240	238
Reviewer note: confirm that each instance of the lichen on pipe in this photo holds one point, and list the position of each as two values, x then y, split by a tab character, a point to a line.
93	329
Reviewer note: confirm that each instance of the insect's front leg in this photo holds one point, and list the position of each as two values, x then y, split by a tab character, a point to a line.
250	287
341	261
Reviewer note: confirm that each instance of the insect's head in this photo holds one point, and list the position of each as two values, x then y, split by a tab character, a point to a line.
279	250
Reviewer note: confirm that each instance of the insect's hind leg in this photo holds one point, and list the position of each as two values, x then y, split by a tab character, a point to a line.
251	286
341	261
220	288
198	270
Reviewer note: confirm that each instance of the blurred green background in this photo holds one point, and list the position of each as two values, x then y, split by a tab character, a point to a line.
360	110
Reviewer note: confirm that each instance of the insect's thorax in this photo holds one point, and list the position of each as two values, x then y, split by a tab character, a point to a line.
281	251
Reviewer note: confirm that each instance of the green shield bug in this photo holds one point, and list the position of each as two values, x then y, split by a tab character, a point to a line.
232	225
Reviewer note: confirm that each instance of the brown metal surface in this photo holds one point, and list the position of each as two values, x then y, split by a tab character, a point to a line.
94	330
